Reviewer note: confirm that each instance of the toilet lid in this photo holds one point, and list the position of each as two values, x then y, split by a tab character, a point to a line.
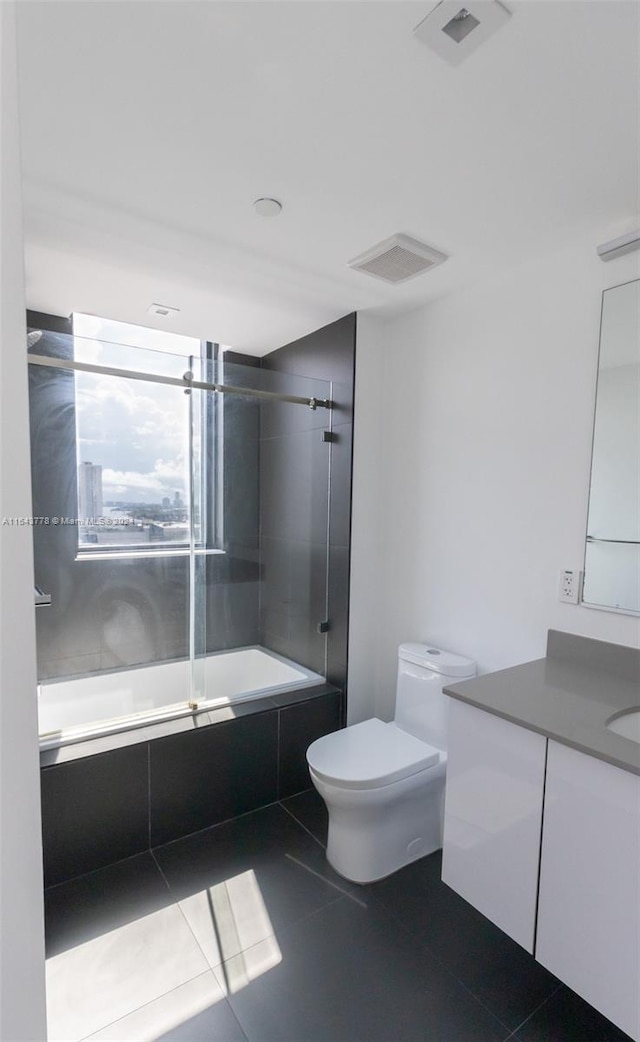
369	755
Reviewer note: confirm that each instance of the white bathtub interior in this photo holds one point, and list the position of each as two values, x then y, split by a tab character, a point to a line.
82	707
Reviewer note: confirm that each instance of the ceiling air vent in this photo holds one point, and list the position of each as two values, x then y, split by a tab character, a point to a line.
455	30
162	311
397	259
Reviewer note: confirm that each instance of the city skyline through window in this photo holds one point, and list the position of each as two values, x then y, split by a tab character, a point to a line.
133	451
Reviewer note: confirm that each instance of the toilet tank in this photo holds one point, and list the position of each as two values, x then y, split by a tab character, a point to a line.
421	707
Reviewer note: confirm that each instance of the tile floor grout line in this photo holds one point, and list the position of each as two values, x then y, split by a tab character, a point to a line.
101	868
226	991
221	964
318	875
468	990
177	904
192	932
302	826
409	935
534	1011
216	825
160	870
178	839
233	1014
149	794
434	955
143	1007
316	911
278	718
290	926
294	924
208	971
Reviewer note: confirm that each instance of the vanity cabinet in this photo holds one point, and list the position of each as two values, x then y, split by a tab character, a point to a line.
563	879
589	911
493	814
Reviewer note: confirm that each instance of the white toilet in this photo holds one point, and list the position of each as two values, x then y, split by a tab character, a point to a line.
383	784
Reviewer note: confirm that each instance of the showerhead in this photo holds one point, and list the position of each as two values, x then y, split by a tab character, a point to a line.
33	337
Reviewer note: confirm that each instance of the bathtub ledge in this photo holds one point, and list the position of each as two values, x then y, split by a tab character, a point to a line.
180	725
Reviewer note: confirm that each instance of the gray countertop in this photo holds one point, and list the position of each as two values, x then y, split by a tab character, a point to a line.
569	696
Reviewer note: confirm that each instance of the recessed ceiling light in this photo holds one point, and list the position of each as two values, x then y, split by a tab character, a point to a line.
267	207
162	311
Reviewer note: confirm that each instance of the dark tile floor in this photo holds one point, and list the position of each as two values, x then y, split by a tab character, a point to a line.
243	932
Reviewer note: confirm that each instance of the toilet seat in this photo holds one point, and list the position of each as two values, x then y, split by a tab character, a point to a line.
369	755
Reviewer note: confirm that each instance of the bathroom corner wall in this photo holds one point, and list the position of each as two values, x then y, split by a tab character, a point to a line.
326	354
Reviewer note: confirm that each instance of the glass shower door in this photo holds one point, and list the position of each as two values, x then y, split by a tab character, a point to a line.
112	497
185	502
295	469
268	491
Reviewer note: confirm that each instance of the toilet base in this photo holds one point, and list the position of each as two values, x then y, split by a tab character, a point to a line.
375	832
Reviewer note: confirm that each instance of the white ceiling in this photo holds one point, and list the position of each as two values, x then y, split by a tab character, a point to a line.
148	129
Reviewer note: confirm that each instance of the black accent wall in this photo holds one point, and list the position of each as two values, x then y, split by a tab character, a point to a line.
291	444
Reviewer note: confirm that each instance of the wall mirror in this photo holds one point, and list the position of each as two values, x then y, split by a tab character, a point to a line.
612	555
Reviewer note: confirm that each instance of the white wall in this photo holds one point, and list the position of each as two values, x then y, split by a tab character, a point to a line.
22	1006
367	577
483	447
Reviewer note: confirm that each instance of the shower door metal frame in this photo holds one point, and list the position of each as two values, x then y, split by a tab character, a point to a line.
186	381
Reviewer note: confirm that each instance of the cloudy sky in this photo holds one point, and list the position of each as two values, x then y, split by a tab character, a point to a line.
137	431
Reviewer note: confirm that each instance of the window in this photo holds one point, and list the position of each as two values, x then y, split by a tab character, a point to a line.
137	442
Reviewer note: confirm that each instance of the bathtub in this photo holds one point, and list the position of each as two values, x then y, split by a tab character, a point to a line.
105	703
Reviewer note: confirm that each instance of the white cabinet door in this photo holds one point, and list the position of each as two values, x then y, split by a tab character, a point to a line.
493	814
589	915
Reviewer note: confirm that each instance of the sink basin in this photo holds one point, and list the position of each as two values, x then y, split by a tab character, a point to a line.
627	724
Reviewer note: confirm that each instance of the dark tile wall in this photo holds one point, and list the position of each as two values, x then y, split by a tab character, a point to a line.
241	472
95	811
211	775
300	725
294	462
98	809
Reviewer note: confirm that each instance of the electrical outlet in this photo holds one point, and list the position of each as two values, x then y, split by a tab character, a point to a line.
570	582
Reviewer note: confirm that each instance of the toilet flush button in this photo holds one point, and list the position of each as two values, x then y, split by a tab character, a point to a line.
432	651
